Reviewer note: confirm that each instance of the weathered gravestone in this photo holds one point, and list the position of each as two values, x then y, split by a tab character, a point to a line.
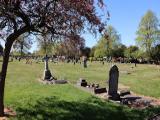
47	73
100	90
60	81
84	61
82	82
113	83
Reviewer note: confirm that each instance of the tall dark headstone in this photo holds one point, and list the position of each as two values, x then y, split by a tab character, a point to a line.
113	83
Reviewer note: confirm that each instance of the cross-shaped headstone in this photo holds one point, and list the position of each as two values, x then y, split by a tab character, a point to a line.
47	73
46	58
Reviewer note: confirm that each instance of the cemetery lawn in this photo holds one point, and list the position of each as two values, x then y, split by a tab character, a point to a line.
33	100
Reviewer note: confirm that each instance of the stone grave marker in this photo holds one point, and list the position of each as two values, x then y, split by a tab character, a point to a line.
113	83
84	61
47	73
82	82
100	90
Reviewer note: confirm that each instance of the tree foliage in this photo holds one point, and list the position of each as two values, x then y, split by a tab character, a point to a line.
22	44
148	32
70	46
45	48
119	51
132	52
45	44
92	51
85	51
59	18
109	41
156	53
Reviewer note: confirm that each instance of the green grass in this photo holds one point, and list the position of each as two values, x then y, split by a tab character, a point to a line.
144	79
33	100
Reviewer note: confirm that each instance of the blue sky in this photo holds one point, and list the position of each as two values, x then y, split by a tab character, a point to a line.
125	18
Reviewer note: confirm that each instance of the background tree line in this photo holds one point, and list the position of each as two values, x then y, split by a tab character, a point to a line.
147	41
109	45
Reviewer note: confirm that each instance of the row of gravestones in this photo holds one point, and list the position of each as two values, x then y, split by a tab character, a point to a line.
112	82
124	96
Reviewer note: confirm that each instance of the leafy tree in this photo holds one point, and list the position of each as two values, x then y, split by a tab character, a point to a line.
85	51
93	51
138	54
22	44
70	46
156	53
55	17
45	45
131	51
100	48
119	51
109	41
148	32
45	48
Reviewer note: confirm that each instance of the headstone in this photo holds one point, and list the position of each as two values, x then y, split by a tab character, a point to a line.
100	90
113	83
47	73
124	92
93	85
11	59
96	86
84	61
60	81
129	99
19	59
82	82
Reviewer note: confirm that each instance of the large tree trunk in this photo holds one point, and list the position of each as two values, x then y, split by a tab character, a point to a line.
10	39
7	49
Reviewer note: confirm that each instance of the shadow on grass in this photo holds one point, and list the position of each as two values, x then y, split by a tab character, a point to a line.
53	108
